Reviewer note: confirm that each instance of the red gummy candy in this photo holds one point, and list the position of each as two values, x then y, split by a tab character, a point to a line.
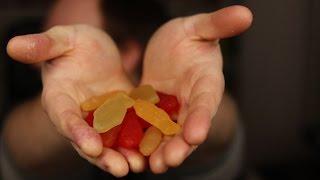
144	124
131	131
168	103
110	137
89	118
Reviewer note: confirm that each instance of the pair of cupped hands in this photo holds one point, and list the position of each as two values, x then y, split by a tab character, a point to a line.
182	58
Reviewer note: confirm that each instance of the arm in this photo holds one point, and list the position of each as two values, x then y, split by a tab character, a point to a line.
32	141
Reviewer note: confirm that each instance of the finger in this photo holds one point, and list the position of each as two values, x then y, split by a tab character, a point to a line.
66	116
156	160
205	98
40	47
110	161
136	160
84	156
176	151
114	162
223	23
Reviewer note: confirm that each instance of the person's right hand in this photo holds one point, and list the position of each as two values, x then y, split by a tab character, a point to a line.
78	62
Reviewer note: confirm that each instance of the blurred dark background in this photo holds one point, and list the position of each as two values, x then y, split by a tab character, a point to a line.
272	71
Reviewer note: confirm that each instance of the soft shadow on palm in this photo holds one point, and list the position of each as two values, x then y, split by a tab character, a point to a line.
183	58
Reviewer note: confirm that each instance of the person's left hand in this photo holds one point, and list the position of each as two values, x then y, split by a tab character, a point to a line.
183	58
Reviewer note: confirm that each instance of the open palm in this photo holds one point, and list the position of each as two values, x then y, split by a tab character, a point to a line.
78	62
184	58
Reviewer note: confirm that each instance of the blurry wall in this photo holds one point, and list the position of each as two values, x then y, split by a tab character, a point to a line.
277	78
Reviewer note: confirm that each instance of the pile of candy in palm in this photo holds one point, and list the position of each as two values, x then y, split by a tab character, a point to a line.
138	120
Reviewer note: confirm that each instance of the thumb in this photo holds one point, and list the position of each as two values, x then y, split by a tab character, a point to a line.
34	48
223	23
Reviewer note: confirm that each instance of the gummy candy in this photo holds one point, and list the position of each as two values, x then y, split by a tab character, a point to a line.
131	131
168	103
121	125
89	118
110	137
144	124
96	101
111	112
145	92
156	117
150	141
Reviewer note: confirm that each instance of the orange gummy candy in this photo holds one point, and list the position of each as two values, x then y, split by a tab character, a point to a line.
150	141
112	112
156	117
145	92
96	101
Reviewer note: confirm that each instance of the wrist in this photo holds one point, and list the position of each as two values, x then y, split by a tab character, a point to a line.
224	123
30	137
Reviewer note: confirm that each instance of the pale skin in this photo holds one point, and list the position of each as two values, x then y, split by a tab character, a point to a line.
182	58
93	16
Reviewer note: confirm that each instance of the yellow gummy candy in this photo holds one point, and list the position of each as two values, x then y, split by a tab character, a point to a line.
156	116
150	141
96	101
145	92
111	112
